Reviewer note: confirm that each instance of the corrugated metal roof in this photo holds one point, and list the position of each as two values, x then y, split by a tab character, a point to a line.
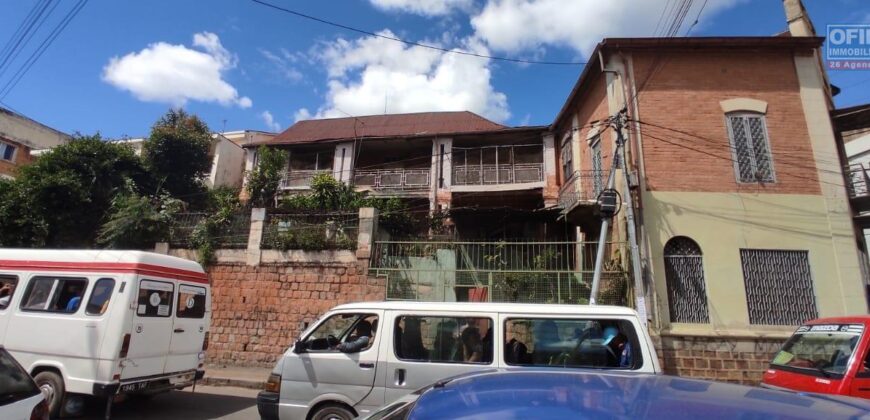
381	126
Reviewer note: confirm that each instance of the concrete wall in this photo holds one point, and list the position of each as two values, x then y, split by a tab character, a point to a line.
729	359
228	164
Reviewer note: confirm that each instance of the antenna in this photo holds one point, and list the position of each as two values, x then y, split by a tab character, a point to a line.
224	128
386	92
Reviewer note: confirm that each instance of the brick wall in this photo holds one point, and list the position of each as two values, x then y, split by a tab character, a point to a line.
257	311
738	360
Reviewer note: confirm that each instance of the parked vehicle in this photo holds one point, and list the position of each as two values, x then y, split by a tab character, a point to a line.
103	322
414	344
20	398
595	395
828	356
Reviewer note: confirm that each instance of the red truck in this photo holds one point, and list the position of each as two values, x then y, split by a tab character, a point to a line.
826	356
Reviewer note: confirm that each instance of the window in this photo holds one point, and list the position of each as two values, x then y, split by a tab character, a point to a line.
342	329
191	302
779	287
684	273
7	290
589	343
443	339
7	151
54	294
820	350
155	299
597	174
567	157
15	382
99	300
751	148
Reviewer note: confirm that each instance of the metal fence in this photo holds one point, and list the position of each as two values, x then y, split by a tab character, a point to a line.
498	174
393	179
582	187
310	231
299	178
857	174
533	272
232	234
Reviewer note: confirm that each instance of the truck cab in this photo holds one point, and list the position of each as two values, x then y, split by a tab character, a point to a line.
826	356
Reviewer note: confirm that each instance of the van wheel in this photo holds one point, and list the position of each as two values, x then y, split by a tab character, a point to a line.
51	385
333	412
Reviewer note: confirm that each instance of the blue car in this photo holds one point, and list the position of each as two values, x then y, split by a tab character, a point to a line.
500	394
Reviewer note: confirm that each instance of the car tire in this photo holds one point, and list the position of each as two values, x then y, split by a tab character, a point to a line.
51	385
333	412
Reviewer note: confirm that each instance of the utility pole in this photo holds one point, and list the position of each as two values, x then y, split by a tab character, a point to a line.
605	219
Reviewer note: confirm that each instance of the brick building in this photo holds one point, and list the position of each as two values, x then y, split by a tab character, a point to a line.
19	136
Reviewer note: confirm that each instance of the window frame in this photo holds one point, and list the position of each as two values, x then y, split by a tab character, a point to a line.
171	299
33	280
395	326
359	316
811	279
598	182
17	281
669	284
745	115
635	340
91	296
566	155
3	146
178	314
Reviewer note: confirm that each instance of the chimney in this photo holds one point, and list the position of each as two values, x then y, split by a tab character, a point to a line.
799	23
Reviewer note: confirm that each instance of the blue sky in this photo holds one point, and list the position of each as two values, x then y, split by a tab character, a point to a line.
120	65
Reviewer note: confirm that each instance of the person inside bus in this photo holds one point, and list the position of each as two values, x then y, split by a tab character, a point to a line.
444	346
618	347
358	340
6	294
546	339
74	290
472	347
412	340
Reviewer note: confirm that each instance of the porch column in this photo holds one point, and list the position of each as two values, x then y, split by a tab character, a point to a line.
551	183
441	174
342	162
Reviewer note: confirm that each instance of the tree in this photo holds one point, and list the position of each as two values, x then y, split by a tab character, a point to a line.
264	180
177	154
61	199
138	221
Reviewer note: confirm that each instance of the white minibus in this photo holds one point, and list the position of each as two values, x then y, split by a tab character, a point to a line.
87	322
361	356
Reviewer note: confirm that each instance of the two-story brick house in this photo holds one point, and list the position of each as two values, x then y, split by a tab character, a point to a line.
19	136
745	228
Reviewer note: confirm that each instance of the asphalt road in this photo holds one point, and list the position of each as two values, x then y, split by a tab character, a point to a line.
208	402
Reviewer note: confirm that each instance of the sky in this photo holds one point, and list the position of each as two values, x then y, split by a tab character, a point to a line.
241	65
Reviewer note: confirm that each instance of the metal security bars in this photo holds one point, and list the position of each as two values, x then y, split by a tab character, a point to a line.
492	165
310	231
751	148
501	174
858	180
684	273
779	287
534	272
299	178
582	187
232	233
393	179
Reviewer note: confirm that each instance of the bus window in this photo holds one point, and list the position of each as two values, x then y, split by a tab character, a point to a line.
100	296
191	302
54	294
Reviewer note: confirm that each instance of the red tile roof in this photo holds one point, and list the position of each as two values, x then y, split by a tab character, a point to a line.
385	126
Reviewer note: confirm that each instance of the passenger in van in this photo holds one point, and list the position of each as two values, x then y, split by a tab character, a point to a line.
444	347
618	347
472	347
358	340
412	340
546	335
76	292
487	346
6	294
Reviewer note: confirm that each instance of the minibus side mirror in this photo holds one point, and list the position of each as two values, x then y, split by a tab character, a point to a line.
299	347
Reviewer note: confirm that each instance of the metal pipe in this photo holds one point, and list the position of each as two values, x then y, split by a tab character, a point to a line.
602	237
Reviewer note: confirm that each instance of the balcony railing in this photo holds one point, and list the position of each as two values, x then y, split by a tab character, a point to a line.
393	179
498	174
582	187
299	178
859	179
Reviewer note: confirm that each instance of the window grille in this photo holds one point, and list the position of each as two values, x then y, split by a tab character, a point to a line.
751	148
779	287
567	156
684	273
598	179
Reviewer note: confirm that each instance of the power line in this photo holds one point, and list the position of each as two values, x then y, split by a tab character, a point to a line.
34	57
416	44
22	31
14	54
697	18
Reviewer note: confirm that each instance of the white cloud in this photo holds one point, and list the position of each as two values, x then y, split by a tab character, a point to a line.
302	114
517	25
423	7
270	121
283	64
367	72
176	74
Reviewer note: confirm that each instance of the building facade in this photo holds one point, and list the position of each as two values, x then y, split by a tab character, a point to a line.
19	136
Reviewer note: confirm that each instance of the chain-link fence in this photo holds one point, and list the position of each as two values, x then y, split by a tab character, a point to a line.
232	233
310	231
529	272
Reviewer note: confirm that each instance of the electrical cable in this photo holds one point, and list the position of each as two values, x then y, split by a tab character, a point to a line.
22	34
416	44
14	54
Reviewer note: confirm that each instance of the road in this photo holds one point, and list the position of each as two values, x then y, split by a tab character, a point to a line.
207	402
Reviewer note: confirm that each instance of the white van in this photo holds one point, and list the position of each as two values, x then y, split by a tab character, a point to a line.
103	322
337	369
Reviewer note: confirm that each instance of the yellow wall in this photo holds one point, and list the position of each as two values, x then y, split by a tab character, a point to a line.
722	224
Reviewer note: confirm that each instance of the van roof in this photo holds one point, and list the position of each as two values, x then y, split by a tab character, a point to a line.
532	308
100	260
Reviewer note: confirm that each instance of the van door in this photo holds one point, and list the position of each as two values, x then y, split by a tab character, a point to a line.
151	330
322	369
429	347
189	327
860	384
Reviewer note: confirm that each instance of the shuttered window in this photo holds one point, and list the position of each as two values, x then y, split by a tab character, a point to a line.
684	273
750	148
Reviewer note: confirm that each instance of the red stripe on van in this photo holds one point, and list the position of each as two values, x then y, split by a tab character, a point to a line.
139	268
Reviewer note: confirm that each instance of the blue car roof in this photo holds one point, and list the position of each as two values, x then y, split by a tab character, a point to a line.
579	395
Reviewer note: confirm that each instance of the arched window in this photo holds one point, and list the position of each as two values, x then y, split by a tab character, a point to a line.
684	273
